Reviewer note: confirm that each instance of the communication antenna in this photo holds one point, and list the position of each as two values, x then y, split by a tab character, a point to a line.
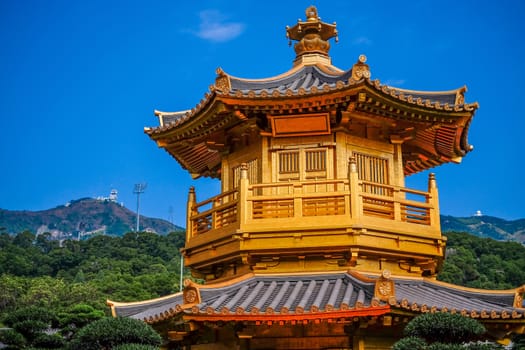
170	217
138	189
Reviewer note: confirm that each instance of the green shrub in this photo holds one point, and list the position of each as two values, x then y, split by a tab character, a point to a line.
30	328
32	313
48	341
410	343
441	346
518	342
76	317
12	337
444	328
135	347
109	332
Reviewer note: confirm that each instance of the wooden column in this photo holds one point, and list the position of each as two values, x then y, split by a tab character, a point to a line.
356	208
434	201
242	206
192	200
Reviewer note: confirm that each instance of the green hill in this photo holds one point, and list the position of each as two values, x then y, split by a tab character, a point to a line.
82	218
486	226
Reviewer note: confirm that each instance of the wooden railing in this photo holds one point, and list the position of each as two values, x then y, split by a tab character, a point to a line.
298	199
393	202
347	198
216	212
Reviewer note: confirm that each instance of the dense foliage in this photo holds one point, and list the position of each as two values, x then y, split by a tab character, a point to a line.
109	332
444	328
50	291
483	263
68	283
32	327
443	331
40	272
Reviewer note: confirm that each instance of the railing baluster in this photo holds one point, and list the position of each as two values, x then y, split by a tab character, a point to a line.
354	198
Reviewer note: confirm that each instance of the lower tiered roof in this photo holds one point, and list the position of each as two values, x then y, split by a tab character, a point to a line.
262	298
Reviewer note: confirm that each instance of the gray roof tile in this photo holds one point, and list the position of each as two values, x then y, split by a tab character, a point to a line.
320	293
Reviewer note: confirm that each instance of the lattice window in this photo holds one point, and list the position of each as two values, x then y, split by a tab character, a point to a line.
315	160
253	173
373	169
289	162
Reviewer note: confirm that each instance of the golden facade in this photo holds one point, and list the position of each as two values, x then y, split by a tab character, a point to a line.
314	241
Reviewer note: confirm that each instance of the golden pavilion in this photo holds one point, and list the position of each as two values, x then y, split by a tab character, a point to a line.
314	241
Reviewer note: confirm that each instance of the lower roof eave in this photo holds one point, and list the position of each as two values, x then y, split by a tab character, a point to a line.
307	316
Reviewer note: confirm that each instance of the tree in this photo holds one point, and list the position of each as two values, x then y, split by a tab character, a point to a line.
24	239
518	342
12	288
34	327
109	332
135	347
76	317
412	343
443	331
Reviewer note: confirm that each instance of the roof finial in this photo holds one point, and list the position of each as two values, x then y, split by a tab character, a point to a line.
312	35
311	14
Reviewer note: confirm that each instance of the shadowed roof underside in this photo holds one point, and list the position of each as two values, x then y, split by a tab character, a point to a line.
439	120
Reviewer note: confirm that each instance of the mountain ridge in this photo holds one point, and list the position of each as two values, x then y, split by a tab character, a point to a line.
82	218
486	227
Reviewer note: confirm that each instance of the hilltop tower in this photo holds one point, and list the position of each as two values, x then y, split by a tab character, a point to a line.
314	241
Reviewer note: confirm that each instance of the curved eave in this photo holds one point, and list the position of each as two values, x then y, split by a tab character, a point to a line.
445	140
442	133
427	295
442	127
264	298
185	139
311	296
140	308
183	118
257	97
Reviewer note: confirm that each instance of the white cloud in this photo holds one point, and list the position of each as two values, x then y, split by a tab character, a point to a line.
214	26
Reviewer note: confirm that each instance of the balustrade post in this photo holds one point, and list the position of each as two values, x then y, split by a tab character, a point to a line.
297	201
215	216
190	211
242	209
398	196
356	205
433	201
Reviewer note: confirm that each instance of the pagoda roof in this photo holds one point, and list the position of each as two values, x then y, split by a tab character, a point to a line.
263	298
437	121
323	78
307	80
432	125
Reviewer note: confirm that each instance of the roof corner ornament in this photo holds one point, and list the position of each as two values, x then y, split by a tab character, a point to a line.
191	293
360	69
222	81
384	288
311	35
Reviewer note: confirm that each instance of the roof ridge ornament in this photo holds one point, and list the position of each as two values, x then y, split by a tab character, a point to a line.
360	69
311	35
222	81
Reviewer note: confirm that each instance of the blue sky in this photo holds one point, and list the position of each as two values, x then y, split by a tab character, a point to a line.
79	80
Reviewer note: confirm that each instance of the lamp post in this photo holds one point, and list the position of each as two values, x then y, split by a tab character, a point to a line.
138	189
